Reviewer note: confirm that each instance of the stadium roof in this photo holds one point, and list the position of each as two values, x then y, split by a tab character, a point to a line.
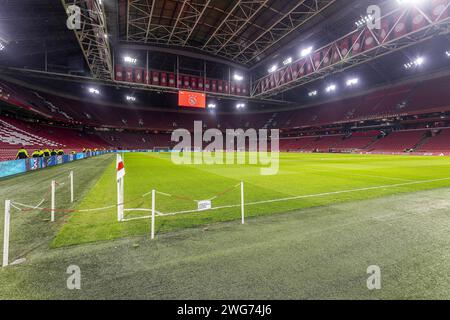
244	32
241	32
250	35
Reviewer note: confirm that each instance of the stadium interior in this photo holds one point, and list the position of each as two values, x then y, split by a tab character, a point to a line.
366	77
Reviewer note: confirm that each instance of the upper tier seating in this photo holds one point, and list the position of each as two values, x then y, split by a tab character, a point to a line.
422	97
437	143
398	141
325	143
352	142
136	140
298	144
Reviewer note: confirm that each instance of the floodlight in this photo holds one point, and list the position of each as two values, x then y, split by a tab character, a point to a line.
240	106
287	61
352	82
313	93
306	52
415	63
273	68
128	59
212	106
238	77
331	88
364	20
3	44
94	91
131	98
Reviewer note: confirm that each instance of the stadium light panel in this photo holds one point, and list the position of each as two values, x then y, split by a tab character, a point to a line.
238	77
131	98
313	93
415	63
240	106
352	82
94	91
447	53
287	61
212	106
273	68
331	88
128	59
3	44
364	20
306	52
419	61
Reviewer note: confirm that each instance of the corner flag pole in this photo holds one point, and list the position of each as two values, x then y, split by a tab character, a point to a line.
120	192
153	213
53	204
71	186
6	233
242	203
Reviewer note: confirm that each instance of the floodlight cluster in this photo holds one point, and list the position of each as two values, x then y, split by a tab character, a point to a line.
352	82
419	61
94	91
331	88
238	77
273	68
288	60
131	60
364	21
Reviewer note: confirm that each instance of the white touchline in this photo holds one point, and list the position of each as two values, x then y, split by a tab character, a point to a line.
347	191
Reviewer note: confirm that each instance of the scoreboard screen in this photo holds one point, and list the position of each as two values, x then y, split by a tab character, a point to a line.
191	99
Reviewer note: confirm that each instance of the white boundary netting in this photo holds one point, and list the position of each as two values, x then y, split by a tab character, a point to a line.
202	206
49	196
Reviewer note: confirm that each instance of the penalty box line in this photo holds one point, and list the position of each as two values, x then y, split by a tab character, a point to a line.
287	199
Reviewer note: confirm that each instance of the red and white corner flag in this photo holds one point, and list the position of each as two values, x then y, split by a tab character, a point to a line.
120	167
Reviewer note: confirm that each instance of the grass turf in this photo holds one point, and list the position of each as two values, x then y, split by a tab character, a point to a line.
320	178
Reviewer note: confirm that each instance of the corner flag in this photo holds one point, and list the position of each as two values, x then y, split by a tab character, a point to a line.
120	167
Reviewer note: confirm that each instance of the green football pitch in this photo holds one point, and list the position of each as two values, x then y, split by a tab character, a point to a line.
311	230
